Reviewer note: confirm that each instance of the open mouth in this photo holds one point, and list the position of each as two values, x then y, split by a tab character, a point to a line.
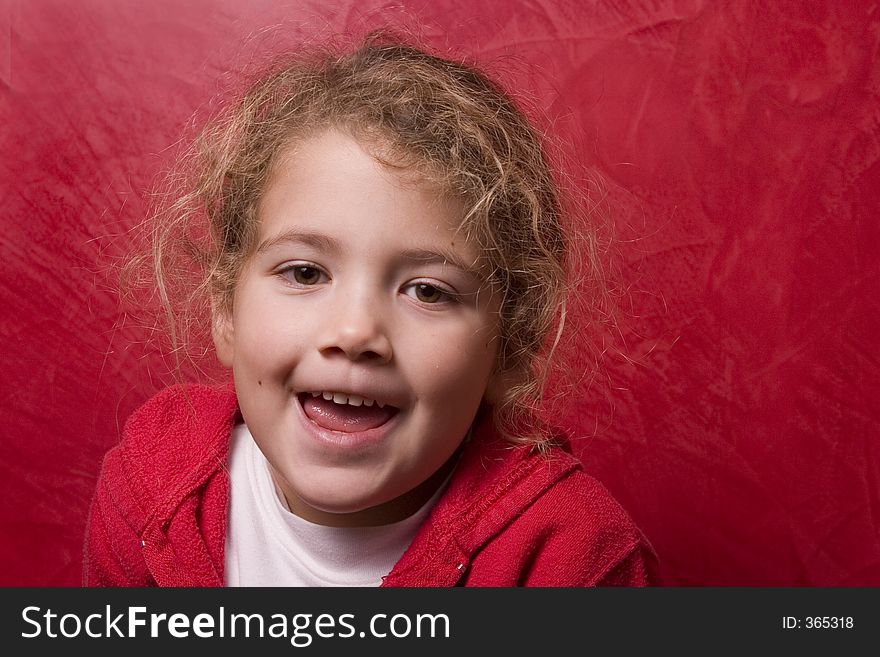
343	412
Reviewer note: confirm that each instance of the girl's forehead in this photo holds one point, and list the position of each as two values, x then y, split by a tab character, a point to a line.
331	182
400	162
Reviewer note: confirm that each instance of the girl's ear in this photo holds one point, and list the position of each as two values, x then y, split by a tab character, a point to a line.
222	332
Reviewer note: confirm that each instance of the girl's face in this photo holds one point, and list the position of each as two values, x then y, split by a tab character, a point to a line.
360	291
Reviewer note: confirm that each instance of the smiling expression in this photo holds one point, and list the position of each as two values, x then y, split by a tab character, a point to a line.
362	337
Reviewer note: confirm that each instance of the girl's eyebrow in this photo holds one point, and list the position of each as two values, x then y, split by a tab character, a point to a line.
442	257
330	244
294	236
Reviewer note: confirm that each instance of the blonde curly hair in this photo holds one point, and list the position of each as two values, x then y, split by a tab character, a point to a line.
445	119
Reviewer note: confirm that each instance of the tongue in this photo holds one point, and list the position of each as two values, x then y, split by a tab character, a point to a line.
343	417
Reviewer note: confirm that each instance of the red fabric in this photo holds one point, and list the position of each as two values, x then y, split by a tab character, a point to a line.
507	518
736	418
159	514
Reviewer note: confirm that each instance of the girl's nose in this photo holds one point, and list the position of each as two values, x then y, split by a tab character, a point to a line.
356	329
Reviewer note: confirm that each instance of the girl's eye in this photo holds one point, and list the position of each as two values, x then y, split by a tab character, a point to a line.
431	294
428	293
303	274
306	275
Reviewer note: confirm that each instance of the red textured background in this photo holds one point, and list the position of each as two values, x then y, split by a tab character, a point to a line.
740	145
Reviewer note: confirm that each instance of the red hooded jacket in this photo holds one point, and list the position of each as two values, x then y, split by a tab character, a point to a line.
509	517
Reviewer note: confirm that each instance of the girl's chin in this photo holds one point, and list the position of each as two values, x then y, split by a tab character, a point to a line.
348	515
323	505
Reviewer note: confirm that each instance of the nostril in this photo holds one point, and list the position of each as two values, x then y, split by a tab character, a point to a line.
355	354
357	341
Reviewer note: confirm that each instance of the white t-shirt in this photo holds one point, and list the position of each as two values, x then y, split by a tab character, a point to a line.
267	545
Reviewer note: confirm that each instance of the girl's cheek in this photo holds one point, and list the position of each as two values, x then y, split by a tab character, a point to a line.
460	365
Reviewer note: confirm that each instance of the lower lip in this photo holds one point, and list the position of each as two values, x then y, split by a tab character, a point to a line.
355	440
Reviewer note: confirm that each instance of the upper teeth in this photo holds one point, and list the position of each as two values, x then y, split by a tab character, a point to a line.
351	400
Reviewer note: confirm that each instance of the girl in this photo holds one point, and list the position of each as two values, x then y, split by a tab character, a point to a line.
384	258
